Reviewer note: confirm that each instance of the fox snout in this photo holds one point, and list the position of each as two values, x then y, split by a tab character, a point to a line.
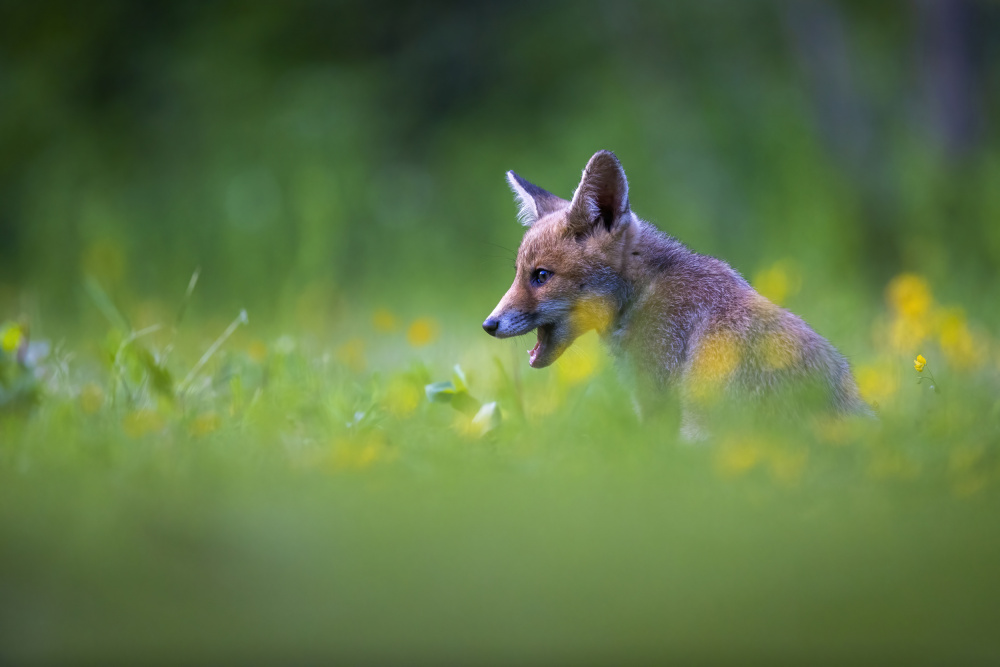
509	323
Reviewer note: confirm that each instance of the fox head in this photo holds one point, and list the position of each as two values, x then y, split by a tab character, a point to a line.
569	265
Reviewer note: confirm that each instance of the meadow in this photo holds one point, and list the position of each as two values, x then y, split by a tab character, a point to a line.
248	412
274	497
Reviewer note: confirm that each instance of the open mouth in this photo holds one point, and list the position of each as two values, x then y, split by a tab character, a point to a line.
541	355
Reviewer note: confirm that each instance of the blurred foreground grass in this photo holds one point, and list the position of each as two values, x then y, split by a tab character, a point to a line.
287	491
295	497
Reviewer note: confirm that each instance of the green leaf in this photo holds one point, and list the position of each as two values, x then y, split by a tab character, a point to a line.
488	418
159	376
458	377
447	392
440	392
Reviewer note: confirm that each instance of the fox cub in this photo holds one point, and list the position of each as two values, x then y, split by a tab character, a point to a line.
676	319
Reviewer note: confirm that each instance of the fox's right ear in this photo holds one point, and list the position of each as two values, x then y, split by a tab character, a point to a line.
532	201
601	199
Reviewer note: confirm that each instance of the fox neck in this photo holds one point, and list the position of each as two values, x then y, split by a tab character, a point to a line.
647	256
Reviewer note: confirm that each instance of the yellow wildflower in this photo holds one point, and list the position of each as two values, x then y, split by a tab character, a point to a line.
905	333
11	339
581	361
778	350
352	354
778	282
205	423
592	313
402	396
910	296
919	363
956	340
257	351
360	452
384	321
737	457
140	422
713	363
422	332
877	382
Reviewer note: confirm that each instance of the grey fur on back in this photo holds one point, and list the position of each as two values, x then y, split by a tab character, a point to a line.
686	303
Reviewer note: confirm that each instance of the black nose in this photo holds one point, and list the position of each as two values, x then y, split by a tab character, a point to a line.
491	325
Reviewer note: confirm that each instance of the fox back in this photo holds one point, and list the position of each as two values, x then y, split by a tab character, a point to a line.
678	319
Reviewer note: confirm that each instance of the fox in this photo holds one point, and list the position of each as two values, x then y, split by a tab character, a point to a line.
678	321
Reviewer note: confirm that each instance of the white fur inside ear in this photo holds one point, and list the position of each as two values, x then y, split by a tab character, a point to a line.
527	209
603	189
585	201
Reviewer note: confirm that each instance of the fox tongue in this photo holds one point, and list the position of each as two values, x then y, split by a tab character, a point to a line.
533	352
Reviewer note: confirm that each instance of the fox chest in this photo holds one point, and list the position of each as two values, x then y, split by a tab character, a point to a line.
655	354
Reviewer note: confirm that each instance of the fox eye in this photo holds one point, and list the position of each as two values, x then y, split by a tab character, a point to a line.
540	276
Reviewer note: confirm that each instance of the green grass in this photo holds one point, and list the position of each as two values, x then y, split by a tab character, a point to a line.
169	493
298	499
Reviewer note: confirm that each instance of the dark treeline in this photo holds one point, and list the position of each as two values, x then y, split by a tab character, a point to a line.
284	144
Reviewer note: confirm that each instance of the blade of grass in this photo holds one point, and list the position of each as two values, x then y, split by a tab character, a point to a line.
116	363
187	296
213	348
181	310
105	304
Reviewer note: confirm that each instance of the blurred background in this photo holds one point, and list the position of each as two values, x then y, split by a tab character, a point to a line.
310	155
294	486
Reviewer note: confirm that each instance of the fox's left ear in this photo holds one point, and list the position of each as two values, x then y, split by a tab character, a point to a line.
532	201
601	199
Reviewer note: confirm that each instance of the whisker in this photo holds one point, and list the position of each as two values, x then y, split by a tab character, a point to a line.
497	257
497	245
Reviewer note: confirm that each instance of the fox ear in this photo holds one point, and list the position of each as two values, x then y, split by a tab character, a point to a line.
601	199
533	202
